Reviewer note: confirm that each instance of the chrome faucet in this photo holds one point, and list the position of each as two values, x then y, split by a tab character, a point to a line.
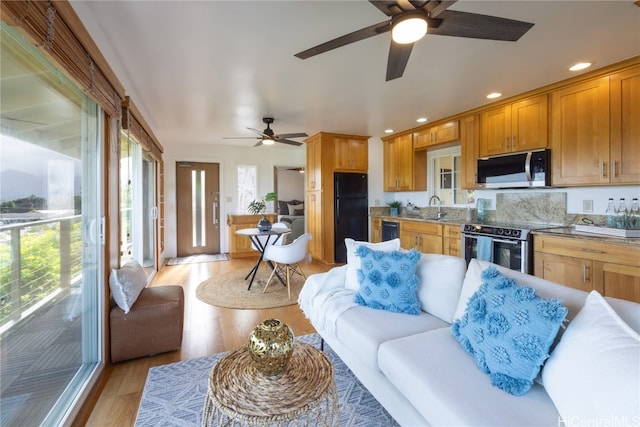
440	213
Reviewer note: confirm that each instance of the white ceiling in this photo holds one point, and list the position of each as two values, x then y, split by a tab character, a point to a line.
203	70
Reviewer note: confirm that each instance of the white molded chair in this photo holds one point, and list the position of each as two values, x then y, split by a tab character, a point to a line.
286	259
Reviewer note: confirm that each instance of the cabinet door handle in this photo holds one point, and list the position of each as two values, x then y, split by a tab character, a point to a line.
585	274
506	142
614	169
513	141
604	169
593	251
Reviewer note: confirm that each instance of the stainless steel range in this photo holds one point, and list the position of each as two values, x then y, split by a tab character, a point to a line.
508	245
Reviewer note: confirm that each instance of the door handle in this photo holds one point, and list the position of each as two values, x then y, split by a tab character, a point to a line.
215	215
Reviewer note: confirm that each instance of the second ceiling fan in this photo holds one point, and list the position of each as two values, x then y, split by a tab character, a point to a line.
429	17
268	137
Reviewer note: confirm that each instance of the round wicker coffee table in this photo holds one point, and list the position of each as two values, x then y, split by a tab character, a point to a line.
305	393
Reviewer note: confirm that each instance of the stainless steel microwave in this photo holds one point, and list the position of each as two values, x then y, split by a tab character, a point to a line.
516	170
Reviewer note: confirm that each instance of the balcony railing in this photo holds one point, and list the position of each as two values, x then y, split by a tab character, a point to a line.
38	260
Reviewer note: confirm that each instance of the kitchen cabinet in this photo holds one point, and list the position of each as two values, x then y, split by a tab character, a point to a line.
469	141
451	240
328	153
404	168
625	126
240	246
587	264
351	154
313	213
519	126
580	133
423	236
440	134
376	229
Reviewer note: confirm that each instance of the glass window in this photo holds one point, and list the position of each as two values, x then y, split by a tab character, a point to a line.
444	167
137	204
247	187
51	289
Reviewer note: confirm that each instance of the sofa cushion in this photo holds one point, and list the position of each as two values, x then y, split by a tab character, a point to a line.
353	262
388	280
443	383
508	330
441	278
126	284
594	372
364	329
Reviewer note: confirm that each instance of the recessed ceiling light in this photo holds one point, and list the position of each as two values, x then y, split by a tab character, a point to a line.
580	66
388	131
494	95
421	120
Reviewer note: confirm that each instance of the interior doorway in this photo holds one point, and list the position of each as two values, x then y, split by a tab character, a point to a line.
197	208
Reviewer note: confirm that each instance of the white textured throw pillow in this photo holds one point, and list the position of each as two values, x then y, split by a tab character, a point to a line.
441	278
354	263
126	284
593	375
294	208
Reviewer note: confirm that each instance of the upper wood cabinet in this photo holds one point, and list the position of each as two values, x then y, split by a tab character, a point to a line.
580	133
625	126
314	163
351	154
398	163
520	126
469	140
440	134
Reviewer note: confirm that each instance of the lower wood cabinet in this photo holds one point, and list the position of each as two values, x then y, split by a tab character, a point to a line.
423	236
451	240
240	246
376	229
610	268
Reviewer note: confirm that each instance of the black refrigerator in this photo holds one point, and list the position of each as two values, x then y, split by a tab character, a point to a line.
351	210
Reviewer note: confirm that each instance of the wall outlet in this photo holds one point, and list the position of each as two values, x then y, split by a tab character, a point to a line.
587	206
376	202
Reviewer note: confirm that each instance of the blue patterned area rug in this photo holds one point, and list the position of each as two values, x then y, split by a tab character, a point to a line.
174	394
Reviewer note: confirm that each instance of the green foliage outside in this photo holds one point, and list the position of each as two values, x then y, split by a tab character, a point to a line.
40	264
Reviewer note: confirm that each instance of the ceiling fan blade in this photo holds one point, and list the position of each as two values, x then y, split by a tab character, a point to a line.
241	137
291	135
398	58
259	132
290	142
258	144
476	26
356	36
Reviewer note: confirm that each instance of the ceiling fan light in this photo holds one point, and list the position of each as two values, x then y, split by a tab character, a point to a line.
409	30
268	141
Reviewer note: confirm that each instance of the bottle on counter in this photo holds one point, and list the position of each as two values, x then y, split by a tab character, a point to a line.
623	214
634	214
610	218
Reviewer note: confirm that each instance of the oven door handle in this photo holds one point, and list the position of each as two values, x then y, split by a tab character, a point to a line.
511	242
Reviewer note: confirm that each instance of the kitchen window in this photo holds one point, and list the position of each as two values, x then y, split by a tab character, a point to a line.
444	168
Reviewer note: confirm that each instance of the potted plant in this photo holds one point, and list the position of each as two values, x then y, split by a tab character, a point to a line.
394	207
257	207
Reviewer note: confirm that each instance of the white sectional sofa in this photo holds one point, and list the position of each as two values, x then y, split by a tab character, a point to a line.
419	372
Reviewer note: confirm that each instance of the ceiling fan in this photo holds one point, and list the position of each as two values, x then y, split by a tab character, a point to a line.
267	137
420	17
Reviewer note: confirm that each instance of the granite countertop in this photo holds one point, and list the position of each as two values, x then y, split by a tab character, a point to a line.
570	232
445	221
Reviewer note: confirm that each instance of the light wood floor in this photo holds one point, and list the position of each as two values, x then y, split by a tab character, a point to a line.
207	330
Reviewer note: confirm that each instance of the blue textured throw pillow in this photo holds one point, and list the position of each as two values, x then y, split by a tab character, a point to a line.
508	330
388	280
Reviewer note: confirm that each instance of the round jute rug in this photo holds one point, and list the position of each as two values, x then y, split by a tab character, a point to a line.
229	290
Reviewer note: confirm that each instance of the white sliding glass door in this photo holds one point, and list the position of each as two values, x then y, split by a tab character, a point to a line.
51	288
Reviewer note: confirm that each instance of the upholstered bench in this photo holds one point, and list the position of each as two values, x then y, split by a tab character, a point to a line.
143	321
